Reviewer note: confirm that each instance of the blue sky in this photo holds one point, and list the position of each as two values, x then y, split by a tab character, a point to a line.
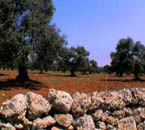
99	24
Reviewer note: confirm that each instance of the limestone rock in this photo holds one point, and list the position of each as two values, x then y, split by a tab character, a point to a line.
84	123
139	112
37	106
15	107
81	103
137	119
7	126
128	97
26	123
61	101
138	96
107	100
141	126
111	127
114	100
19	126
95	101
56	128
71	127
98	115
111	120
43	123
102	125
122	113
64	120
127	124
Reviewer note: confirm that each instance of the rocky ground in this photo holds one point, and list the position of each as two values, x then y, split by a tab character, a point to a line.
113	110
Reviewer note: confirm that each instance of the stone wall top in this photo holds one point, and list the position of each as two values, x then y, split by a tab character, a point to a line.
113	110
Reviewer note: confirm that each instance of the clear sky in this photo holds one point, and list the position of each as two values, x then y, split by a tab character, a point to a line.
99	24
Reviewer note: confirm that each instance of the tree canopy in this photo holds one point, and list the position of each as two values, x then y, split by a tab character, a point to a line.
74	59
21	23
128	58
47	47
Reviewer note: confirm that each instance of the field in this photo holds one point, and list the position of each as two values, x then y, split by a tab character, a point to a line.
41	83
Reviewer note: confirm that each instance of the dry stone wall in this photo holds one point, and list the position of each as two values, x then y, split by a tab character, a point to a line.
114	110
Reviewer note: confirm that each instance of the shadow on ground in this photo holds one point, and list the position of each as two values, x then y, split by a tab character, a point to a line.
123	80
2	74
11	83
55	75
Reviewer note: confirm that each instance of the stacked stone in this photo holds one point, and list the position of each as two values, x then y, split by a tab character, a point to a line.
114	110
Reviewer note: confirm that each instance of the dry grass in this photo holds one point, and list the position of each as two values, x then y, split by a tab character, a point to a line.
62	81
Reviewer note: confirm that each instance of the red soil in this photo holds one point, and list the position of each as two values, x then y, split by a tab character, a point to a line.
60	81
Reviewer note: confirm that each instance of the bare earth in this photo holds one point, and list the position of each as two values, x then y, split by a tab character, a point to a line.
62	81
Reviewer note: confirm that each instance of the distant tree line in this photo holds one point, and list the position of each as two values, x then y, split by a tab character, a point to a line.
74	59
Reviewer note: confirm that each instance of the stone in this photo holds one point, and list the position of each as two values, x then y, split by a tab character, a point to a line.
138	96
104	116
128	97
141	126
43	123
127	123
122	113
15	107
56	128
61	101
95	102
111	127
84	123
102	125
108	100
81	104
140	112
114	100
111	120
37	106
98	115
137	119
7	126
26	123
64	120
71	127
19	126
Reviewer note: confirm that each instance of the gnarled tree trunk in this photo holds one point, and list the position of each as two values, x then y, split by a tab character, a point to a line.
136	72
136	75
72	70
22	74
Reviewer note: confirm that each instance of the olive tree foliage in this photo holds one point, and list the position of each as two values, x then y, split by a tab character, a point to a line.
7	36
47	47
74	59
129	57
84	65
107	69
20	19
93	67
138	63
63	61
122	58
